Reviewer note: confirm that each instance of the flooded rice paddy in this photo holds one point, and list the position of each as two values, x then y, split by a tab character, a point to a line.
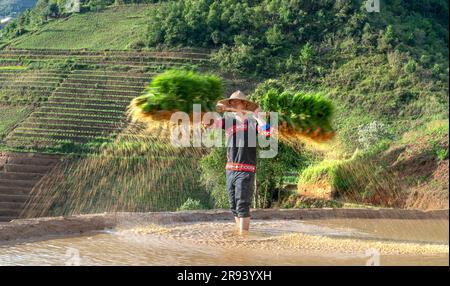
270	242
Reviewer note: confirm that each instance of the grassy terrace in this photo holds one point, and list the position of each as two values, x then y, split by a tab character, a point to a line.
148	60
10	116
107	56
188	53
93	30
22	86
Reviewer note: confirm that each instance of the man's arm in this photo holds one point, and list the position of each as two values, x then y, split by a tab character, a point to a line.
218	123
263	127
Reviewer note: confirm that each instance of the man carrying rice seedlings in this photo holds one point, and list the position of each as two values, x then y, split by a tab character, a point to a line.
302	114
241	152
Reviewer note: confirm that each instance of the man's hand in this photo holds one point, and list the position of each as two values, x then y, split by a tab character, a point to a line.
212	122
207	125
220	107
257	117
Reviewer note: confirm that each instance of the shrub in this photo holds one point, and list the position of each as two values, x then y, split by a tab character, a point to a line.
136	45
191	204
411	66
372	133
238	59
212	167
442	154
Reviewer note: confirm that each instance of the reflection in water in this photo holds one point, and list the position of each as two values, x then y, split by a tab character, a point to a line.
276	242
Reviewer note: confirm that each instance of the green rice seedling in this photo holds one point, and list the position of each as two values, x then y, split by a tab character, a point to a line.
270	100
177	90
302	114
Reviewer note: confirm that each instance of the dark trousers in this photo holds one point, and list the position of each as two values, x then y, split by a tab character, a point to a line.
240	186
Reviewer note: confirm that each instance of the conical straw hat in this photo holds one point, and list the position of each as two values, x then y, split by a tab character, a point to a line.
225	104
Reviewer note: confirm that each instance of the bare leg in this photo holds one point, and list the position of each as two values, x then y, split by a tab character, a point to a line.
236	219
244	225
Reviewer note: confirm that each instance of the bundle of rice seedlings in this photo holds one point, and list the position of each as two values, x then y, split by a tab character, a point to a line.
301	114
176	90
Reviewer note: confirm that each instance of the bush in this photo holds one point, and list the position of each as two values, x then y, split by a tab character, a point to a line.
137	45
411	66
212	167
442	154
270	85
372	133
191	204
239	59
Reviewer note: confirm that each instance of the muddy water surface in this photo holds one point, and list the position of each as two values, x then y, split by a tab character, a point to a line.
270	242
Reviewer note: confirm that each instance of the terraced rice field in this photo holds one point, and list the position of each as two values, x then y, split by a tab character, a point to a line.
88	105
147	60
85	102
28	86
10	116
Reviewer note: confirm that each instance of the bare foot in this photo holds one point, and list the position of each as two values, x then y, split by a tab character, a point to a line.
244	224
238	223
244	233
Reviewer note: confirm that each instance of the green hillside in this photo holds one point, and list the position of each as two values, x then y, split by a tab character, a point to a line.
114	28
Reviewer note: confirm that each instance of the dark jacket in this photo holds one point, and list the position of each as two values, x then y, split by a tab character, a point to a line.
241	142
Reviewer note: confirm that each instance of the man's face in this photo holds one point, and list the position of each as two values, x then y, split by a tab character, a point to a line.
238	104
240	108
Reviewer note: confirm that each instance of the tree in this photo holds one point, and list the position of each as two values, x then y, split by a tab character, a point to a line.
306	54
411	66
274	36
41	11
388	38
53	10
